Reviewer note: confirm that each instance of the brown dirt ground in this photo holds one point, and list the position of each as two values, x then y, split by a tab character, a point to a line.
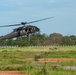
52	59
11	73
55	59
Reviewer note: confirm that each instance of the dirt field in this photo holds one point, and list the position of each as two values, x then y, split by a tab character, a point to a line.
53	59
11	73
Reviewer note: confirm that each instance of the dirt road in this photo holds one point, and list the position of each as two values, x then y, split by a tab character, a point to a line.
11	73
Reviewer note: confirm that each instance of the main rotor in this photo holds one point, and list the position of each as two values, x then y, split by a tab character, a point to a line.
25	23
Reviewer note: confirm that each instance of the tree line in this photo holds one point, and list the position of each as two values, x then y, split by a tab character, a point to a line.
40	40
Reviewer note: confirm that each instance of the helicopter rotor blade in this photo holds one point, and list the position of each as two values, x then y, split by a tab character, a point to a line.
39	20
24	23
10	25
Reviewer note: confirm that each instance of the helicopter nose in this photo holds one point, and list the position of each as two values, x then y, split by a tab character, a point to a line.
37	29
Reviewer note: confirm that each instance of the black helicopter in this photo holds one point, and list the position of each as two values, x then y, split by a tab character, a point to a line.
26	29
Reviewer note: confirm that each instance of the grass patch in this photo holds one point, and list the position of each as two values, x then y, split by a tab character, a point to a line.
14	59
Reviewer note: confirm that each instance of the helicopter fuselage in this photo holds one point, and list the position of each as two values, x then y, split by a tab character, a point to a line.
21	31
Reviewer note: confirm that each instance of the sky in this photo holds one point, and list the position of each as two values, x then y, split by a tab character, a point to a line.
17	11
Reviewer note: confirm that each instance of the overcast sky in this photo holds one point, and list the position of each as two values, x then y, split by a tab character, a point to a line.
63	11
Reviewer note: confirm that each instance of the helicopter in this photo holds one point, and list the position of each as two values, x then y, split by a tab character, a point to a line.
26	29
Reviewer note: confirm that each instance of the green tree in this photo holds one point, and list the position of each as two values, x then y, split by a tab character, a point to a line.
55	39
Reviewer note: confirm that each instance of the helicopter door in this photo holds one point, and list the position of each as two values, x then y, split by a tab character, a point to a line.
29	30
19	33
